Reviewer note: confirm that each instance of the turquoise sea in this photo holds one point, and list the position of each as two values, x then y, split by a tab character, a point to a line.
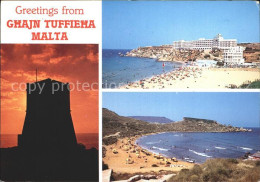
117	70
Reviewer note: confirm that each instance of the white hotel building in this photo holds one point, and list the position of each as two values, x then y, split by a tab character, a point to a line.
233	54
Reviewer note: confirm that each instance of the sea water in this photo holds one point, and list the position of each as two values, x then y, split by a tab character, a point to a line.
119	70
89	140
202	146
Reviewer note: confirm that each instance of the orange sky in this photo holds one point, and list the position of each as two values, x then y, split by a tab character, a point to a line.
61	62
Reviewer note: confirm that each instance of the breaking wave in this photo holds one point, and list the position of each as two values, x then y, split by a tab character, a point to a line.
150	143
162	149
221	148
198	153
244	148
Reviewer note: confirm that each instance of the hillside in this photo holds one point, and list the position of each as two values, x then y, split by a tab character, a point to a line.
221	170
152	119
115	126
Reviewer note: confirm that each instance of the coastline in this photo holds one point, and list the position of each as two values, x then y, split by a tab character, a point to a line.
120	155
196	77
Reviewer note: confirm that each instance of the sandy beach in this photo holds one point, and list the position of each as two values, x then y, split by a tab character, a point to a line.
196	77
127	157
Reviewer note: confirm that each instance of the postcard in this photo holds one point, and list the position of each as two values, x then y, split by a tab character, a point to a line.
50	91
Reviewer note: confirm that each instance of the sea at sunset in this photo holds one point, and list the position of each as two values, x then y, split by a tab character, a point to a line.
202	146
122	70
90	140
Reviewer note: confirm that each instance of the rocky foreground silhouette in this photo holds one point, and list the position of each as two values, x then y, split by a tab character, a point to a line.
50	164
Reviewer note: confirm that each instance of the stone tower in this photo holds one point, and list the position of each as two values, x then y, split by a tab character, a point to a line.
48	123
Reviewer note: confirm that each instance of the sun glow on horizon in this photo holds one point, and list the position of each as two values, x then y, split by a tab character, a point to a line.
61	62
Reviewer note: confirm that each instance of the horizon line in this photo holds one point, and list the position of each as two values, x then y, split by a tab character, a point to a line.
20	133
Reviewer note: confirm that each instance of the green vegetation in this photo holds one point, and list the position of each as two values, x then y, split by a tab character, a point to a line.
254	84
214	170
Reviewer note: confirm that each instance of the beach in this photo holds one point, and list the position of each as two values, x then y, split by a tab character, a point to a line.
125	156
198	77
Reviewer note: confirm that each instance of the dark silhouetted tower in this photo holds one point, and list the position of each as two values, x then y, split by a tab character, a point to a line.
48	123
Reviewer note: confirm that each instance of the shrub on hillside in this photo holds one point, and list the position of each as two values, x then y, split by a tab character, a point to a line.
221	170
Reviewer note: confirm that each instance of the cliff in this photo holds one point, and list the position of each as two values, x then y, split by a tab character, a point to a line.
167	53
115	126
252	52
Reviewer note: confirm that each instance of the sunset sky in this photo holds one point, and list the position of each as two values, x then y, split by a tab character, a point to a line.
61	62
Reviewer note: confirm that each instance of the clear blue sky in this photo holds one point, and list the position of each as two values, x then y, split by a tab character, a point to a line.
235	108
129	24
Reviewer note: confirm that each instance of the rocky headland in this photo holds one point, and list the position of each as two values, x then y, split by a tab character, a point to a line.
167	53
